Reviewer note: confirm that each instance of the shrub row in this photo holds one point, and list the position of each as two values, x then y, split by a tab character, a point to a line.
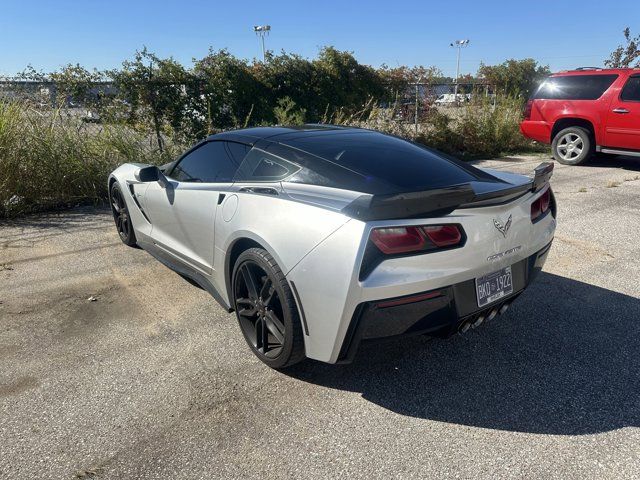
51	158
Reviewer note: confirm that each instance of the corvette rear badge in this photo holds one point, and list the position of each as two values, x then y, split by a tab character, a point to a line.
503	229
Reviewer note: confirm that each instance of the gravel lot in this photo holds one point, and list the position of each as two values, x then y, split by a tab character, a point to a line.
154	380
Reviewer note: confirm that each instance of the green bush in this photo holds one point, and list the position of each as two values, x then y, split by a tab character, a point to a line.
288	113
482	128
50	158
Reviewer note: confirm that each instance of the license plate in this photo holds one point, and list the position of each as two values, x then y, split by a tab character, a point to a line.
494	286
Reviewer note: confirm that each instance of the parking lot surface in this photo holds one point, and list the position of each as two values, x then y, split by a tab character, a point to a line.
112	366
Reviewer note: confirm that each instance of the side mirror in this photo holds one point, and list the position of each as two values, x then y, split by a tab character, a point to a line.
148	174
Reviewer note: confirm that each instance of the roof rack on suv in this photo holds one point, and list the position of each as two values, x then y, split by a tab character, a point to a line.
588	68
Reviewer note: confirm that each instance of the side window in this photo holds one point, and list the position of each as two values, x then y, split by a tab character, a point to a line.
575	87
211	162
259	166
631	90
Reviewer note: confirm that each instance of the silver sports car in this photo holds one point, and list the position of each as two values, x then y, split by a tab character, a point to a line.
322	237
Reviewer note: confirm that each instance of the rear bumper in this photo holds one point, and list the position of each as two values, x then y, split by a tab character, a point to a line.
438	312
536	130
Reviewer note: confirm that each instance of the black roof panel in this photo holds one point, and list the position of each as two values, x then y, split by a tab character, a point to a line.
251	135
376	157
359	159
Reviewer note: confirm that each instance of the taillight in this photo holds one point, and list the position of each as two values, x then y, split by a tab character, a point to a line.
541	205
399	240
443	235
544	201
527	109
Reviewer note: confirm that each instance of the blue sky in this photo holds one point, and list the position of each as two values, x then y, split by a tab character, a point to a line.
48	34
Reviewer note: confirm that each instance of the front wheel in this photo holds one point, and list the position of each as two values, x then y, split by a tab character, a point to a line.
572	146
121	217
266	310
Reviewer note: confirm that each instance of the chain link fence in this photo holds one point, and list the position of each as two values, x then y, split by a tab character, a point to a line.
412	105
420	99
88	114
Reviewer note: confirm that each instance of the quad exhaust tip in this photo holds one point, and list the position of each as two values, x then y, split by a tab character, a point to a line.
478	321
464	327
468	324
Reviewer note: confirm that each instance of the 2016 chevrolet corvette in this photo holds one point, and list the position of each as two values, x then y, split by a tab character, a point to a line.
321	237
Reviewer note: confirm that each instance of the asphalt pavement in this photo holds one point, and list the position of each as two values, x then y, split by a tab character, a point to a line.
112	366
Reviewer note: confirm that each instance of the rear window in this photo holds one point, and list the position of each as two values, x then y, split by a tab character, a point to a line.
574	87
260	166
381	158
631	90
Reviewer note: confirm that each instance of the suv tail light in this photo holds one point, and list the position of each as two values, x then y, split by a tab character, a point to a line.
399	240
541	205
527	109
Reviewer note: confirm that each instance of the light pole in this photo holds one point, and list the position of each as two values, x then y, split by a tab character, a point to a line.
261	32
459	44
416	112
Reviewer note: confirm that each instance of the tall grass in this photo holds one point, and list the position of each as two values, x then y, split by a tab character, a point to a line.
479	129
50	159
485	128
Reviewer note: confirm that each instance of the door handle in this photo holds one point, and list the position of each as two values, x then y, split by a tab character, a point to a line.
260	190
620	110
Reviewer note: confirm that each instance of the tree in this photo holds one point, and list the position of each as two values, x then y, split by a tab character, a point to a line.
343	83
153	91
289	76
514	77
75	83
626	54
229	92
399	79
288	113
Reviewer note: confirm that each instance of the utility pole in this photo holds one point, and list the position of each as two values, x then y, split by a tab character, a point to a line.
459	44
261	32
417	105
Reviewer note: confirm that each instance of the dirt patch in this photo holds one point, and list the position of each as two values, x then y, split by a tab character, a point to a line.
82	317
588	249
21	385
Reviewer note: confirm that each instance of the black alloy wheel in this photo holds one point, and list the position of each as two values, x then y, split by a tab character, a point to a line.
121	216
266	311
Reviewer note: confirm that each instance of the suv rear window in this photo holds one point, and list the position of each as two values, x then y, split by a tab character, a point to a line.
574	87
631	91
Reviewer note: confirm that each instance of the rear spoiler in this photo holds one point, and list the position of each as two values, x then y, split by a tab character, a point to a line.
436	202
542	175
429	203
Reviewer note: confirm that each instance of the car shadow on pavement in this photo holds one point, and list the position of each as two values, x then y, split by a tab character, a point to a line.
631	164
563	360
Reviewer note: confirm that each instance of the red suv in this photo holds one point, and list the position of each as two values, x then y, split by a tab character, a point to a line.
584	111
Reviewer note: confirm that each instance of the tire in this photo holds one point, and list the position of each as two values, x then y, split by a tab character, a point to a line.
121	217
266	310
572	146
